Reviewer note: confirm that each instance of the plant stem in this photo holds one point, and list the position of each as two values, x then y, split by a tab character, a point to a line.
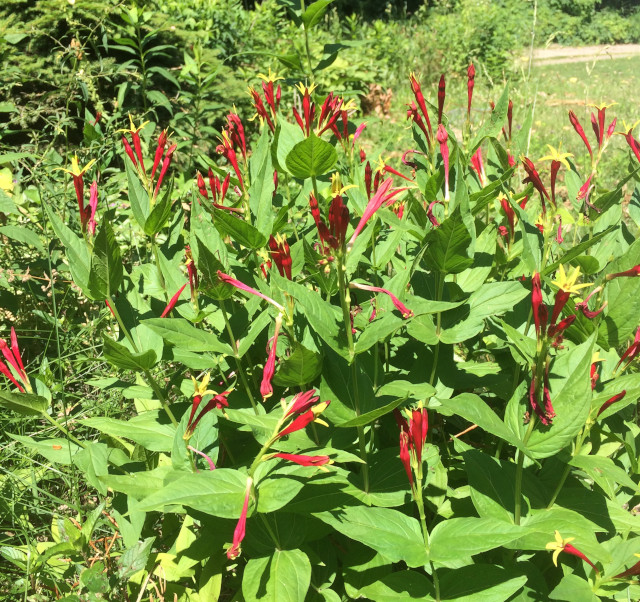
64	430
306	43
519	469
234	347
345	301
436	351
567	469
425	531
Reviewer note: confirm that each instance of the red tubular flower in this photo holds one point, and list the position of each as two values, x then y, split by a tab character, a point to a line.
633	143
129	151
432	218
261	111
471	75
511	216
561	299
555	330
630	572
338	221
368	172
414	115
534	178
303	460
539	308
611	401
510	116
403	309
631	352
202	188
417	429
569	549
596	130
559	238
165	166
578	128
405	455
478	166
563	545
266	389
218	401
612	127
281	254
303	419
236	133
555	166
441	96
238	535
395	172
301	402
417	92
326	238
90	211
547	413
357	133
634	271
593	375
363	156
583	306
172	302
383	196
442	137
191	271
135	136
226	150
162	142
247	289
12	356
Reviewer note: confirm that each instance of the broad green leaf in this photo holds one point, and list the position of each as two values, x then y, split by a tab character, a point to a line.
531	239
573	588
159	214
57	450
302	367
448	246
400	586
378	330
262	185
314	13
26	404
138	196
282	577
491	484
93	461
24	235
238	229
121	357
374	414
497	120
605	473
481	582
146	429
474	277
311	158
208	265
392	533
134	559
76	250
181	333
611	198
571	399
219	492
459	537
523	348
105	275
479	200
287	136
138	485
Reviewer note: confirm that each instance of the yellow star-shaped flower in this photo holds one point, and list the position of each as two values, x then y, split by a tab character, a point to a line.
75	167
201	388
132	128
567	282
337	189
558	546
303	89
603	106
271	77
557	155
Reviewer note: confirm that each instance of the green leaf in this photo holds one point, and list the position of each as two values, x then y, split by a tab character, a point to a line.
573	588
287	136
282	577
159	214
608	200
56	450
302	367
480	582
314	13
291	61
219	492
138	196
605	473
262	185
493	127
24	235
460	537
240	231
400	586
373	415
146	430
208	265
76	250
182	334
134	559
311	158
378	330
571	399
491	484
448	246
121	357
106	264
26	404
392	533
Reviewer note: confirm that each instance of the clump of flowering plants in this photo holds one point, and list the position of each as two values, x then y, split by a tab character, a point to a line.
387	380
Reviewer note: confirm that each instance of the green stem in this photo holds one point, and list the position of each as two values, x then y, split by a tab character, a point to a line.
234	347
267	526
519	470
154	247
436	351
567	469
306	43
64	430
425	532
345	301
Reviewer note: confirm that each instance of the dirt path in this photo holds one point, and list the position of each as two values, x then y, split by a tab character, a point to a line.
556	54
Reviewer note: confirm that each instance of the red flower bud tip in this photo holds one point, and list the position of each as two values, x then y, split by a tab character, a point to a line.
631	352
90	212
405	455
559	238
471	75
503	231
612	128
172	302
594	375
547	414
563	545
511	160
417	92
578	128
383	196
441	96
261	111
585	189
511	215
281	254
510	116
266	389
338	221
561	299
633	143
191	271
218	401
12	356
413	436
611	401
247	289
534	178
302	420
236	133
555	166
129	151
432	218
326	238
634	271
357	133
538	306
162	142
558	329
363	156
202	187
395	172
403	309
165	166
478	166
303	460
301	402
441	137
226	150
238	535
